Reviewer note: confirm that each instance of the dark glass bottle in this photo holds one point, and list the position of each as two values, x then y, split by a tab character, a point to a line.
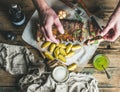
16	15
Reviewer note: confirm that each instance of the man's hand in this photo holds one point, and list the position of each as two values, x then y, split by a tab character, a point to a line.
112	31
49	19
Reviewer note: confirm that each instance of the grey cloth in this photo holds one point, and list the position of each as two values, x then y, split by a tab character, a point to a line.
39	81
36	75
15	59
76	83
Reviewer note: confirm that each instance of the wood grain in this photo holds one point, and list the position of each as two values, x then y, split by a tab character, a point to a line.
102	8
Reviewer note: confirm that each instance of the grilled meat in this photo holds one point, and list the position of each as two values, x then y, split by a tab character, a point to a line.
73	31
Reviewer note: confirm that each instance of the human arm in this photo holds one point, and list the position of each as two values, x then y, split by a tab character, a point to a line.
112	30
48	18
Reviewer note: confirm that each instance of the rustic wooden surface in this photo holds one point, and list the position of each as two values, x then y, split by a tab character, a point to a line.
103	8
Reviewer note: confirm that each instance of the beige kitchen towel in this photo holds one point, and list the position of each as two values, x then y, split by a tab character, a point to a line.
15	59
76	83
39	81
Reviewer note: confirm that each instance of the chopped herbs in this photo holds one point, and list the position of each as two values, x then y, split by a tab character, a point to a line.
93	33
96	42
78	17
77	33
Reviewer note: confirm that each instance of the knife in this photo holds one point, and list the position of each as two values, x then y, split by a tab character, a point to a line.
93	18
99	23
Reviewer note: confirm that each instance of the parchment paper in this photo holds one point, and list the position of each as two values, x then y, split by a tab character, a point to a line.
81	57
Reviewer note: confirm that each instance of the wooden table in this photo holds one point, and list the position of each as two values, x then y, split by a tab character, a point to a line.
112	50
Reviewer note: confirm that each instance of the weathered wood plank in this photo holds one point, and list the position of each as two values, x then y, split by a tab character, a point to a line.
103	81
10	89
115	44
109	89
101	8
105	85
7	79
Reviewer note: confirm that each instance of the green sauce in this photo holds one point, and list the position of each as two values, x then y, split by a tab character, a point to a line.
99	61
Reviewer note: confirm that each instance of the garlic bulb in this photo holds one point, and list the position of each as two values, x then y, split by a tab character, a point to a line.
62	14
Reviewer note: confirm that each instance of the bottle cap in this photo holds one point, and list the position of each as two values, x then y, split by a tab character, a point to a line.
14	5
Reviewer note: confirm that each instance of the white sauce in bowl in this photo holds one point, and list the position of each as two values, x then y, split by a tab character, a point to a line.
60	73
